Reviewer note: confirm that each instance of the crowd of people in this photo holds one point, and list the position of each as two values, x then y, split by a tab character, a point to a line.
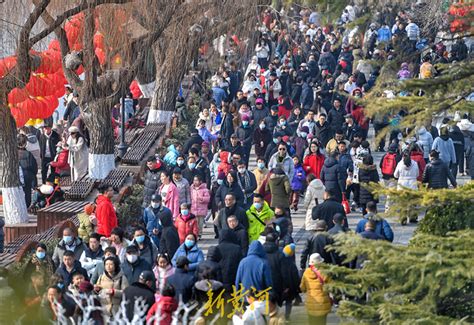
297	106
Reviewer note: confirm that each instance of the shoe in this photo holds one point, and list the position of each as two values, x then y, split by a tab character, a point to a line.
353	206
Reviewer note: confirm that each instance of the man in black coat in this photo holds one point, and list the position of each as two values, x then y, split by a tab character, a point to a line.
169	238
182	281
437	172
276	260
210	269
143	289
134	265
231	256
28	167
231	208
322	130
69	267
336	116
328	209
194	138
47	143
317	243
240	232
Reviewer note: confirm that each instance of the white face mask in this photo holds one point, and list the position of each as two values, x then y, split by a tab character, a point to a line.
241	170
155	205
262	239
132	258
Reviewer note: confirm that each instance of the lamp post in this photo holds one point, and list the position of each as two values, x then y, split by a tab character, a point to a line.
122	147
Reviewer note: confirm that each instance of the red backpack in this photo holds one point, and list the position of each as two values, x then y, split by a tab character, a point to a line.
389	164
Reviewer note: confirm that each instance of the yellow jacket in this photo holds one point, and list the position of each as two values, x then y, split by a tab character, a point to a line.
317	301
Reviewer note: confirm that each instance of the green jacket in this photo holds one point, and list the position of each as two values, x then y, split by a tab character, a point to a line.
255	226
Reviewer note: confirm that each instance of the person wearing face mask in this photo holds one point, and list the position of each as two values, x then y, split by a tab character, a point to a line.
41	262
69	242
169	193
247	182
152	178
245	136
186	223
272	147
260	172
260	111
261	138
282	127
134	264
258	215
147	249
182	185
92	255
200	198
191	251
300	142
180	162
152	216
271	120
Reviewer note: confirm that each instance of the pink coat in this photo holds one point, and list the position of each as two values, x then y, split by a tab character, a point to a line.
171	201
200	198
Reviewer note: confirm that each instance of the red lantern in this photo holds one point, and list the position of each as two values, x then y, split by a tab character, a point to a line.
17	96
7	64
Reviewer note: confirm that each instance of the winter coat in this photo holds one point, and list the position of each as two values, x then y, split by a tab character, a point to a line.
200	198
318	302
382	227
32	146
327	61
148	252
316	243
280	189
276	260
445	147
152	183
225	189
307	96
226	212
194	255
60	164
186	225
151	219
254	270
133	292
287	164
323	133
254	314
183	283
171	155
255	226
210	269
260	136
161	276
117	282
242	238
326	211
59	250
436	174
9	303
169	240
367	174
78	157
132	271
336	118
167	306
28	166
406	175
51	141
298	182
260	175
86	228
315	190
420	161
331	177
313	163
183	191
248	183
276	89
231	254
105	215
171	201
245	135
259	115
89	259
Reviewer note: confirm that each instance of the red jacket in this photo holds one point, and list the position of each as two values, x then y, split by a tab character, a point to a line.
418	157
186	226
166	306
313	163
60	164
105	215
360	117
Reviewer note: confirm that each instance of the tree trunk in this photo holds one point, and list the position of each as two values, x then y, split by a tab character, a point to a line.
14	206
97	117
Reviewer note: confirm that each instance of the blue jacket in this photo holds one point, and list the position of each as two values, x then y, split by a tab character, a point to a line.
384	34
254	270
206	135
195	256
182	283
382	227
152	220
299	176
67	276
132	271
307	96
218	94
171	155
445	149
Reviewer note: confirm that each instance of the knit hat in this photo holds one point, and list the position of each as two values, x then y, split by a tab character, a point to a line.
259	101
289	250
89	208
315	258
85	286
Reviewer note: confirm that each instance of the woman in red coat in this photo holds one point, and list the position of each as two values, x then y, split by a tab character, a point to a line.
186	223
105	212
60	164
313	162
416	154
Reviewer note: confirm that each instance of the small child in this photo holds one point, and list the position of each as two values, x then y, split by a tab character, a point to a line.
297	183
164	307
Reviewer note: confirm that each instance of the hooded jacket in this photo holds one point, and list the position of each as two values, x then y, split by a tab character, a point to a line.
255	226
382	227
299	178
407	175
171	201
331	177
254	270
210	269
105	215
167	306
425	141
276	260
367	174
280	189
317	300
444	145
314	191
231	254
200	198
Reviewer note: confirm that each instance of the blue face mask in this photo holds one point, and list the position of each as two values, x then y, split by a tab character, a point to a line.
40	255
67	239
140	239
189	243
220	181
192	165
257	206
180	162
60	285
261	165
245	123
304	134
283	123
275	140
185	212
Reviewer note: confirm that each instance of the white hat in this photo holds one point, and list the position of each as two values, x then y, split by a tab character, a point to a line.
73	129
46	189
315	258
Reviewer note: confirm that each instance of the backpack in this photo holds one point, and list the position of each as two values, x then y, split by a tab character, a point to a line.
389	164
426	70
